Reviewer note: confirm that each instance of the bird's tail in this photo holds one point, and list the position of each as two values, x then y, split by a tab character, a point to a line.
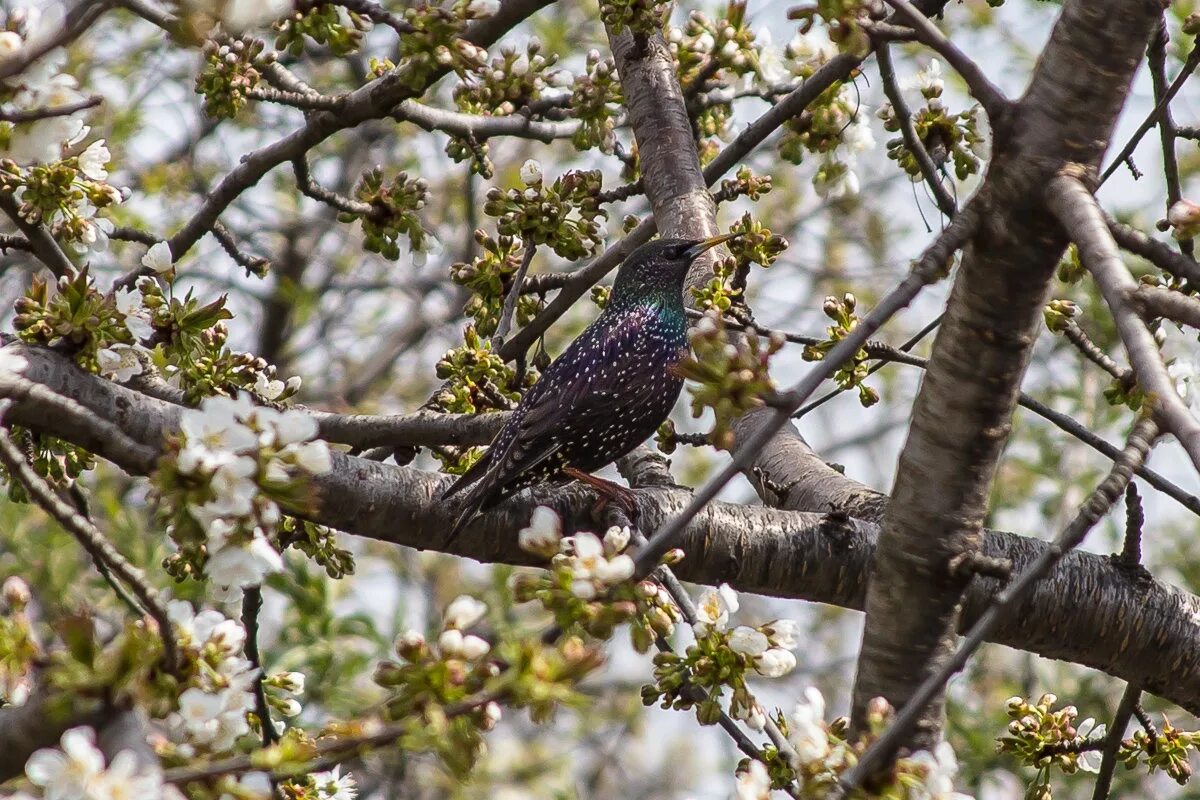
472	501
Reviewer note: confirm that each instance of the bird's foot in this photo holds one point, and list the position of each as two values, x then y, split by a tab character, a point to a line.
623	497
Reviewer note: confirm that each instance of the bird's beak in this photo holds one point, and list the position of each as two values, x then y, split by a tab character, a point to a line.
696	250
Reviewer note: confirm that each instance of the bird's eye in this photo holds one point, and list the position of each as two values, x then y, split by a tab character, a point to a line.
678	251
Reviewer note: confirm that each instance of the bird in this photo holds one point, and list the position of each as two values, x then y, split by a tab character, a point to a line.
605	395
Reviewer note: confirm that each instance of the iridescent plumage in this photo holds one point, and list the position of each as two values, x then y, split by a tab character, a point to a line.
606	394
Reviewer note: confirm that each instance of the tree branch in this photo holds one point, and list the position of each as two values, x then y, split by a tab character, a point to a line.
1079	214
963	412
1087	610
989	96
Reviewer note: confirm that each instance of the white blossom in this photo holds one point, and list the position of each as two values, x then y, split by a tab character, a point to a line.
137	316
714	608
333	785
269	388
754	783
544	533
616	539
806	728
940	768
94	160
1089	761
775	663
929	80
591	570
464	611
233	568
474	648
748	641
70	771
119	362
784	633
450	642
158	258
531	173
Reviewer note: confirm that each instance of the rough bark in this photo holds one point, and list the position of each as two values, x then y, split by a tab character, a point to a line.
962	415
1090	610
671	174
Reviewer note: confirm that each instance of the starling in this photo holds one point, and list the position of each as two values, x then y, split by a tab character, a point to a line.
605	395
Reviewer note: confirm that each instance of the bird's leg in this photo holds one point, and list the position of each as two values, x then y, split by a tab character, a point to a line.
609	492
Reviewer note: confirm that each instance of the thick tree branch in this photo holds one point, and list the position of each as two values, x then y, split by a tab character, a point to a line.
1098	504
1087	610
962	415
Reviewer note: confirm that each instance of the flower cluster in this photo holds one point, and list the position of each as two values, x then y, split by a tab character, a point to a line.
220	485
212	710
476	378
101	330
640	16
842	20
587	586
565	214
489	277
722	658
852	374
595	99
835	126
75	769
1039	736
727	39
1042	737
946	136
512	80
328	24
821	752
732	375
229	73
432	675
394	205
59	182
435	44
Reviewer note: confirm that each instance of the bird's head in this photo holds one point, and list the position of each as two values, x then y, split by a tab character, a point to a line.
659	267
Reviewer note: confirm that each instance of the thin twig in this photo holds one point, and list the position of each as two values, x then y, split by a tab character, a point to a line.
1092	352
1101	500
254	265
1156	55
509	311
1079	214
1112	745
1189	66
91	538
929	170
34	114
251	606
989	96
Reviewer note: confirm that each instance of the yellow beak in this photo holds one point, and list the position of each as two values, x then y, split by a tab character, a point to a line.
695	250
